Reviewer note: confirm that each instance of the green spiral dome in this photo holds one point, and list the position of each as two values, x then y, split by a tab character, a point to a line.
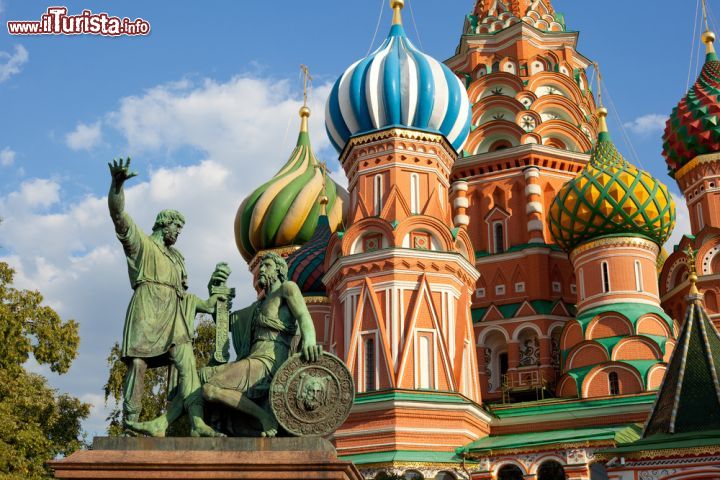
285	210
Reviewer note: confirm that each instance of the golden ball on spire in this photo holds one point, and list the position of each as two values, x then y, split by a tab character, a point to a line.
708	37
304	111
397	3
602	112
324	200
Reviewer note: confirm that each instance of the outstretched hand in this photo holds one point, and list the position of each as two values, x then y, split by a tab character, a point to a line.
312	353
120	171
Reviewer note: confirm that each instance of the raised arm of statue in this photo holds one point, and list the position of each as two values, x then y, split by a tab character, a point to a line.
296	303
120	172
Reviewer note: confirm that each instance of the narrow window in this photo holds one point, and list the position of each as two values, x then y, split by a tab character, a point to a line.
638	276
581	277
378	194
369	365
499	237
614	383
698	209
605	277
425	362
414	193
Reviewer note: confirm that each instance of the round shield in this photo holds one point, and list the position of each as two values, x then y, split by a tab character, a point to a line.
312	398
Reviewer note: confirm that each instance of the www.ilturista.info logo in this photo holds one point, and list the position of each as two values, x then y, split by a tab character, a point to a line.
57	22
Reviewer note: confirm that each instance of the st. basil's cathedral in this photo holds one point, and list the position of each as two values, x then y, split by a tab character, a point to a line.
494	277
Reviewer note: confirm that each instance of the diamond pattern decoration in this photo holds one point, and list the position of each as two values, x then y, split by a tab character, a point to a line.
693	127
610	197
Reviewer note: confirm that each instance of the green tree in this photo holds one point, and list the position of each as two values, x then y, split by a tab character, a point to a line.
36	423
156	380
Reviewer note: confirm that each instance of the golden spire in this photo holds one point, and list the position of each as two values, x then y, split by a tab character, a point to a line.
693	278
708	37
324	200
305	110
397	6
601	111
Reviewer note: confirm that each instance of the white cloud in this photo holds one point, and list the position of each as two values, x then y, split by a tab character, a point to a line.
244	129
84	137
682	222
647	124
10	64
7	157
32	194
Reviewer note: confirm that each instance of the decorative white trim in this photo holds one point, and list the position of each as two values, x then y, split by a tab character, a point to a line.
535	226
533	207
461	202
461	220
533	190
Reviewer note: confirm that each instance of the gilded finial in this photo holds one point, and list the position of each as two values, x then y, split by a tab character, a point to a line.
397	6
693	278
305	110
324	200
602	112
708	37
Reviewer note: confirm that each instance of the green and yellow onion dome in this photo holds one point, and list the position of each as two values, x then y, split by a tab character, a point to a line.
694	125
610	197
285	210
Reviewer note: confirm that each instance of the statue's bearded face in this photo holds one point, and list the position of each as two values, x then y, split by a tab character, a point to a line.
267	273
312	392
170	233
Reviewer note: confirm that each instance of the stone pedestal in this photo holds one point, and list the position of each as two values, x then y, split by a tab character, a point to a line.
206	458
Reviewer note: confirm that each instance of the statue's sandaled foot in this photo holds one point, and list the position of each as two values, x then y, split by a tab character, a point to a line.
201	429
269	426
153	428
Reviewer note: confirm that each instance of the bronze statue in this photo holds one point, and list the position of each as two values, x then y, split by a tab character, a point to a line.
159	323
262	335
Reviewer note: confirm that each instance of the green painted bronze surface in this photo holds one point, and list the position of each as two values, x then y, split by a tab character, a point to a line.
159	323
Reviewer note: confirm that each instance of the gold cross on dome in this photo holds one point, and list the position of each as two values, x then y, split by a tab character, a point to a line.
307	82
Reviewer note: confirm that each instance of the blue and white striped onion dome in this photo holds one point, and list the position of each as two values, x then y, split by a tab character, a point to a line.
398	86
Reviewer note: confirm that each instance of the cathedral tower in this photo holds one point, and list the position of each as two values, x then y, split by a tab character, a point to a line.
532	128
401	277
692	152
612	219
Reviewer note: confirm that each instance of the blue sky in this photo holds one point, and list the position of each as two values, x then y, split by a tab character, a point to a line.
207	107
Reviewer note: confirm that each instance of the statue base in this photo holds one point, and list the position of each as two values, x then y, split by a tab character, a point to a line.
206	458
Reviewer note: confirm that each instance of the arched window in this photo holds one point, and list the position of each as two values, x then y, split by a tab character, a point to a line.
605	277
378	193
551	470
499	237
614	383
414	193
638	276
581	277
370	365
445	476
510	472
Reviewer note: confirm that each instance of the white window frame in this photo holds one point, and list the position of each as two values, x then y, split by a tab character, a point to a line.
414	193
378	193
638	276
605	277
